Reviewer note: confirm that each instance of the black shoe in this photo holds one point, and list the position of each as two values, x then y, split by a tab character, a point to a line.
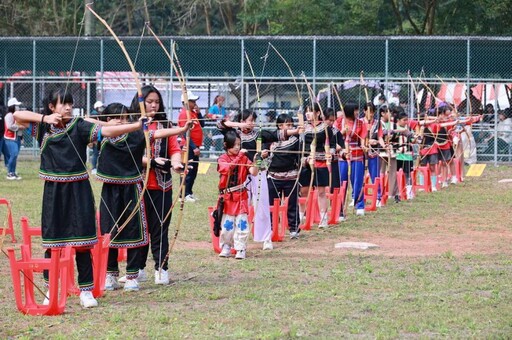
397	199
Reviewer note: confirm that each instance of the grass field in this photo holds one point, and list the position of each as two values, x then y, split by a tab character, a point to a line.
443	269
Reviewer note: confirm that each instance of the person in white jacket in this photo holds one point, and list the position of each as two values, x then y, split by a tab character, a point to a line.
12	138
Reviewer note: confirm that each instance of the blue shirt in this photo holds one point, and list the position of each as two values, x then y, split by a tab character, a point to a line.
214	110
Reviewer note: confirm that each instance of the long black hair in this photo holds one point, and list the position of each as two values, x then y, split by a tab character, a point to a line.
283	118
328	113
146	90
113	111
242	116
54	96
350	110
230	138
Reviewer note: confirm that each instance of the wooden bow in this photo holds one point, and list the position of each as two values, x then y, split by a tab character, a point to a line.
181	78
143	115
300	116
258	139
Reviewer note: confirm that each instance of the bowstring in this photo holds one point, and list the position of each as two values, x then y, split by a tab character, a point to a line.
116	222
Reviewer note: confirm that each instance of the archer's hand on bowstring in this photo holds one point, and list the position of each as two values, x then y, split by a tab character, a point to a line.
166	165
53	119
344	155
373	142
163	164
328	156
245	126
189	125
263	159
258	158
253	170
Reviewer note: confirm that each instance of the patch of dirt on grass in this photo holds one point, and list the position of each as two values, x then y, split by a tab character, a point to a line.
437	243
456	241
468	242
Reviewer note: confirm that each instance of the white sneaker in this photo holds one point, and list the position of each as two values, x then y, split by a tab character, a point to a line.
351	204
46	300
11	176
131	285
434	188
267	245
378	204
143	276
454	180
341	219
161	277
323	223
294	235
410	193
226	251
444	185
194	197
111	282
240	255
360	212
190	199
87	300
302	219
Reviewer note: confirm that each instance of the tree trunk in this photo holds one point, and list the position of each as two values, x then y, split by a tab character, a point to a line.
146	12
398	17
88	20
431	17
407	7
207	19
129	15
229	18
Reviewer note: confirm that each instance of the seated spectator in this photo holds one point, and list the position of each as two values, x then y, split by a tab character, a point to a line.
504	133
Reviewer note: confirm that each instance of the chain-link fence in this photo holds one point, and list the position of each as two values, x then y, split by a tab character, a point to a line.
272	75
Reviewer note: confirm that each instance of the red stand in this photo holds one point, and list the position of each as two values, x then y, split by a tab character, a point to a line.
311	204
459	170
427	182
122	254
279	215
337	201
26	252
401	182
371	191
22	273
99	255
384	188
10	228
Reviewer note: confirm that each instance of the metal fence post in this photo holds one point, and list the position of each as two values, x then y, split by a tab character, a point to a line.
171	92
468	66
314	66
34	54
102	70
88	99
386	66
242	75
496	119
